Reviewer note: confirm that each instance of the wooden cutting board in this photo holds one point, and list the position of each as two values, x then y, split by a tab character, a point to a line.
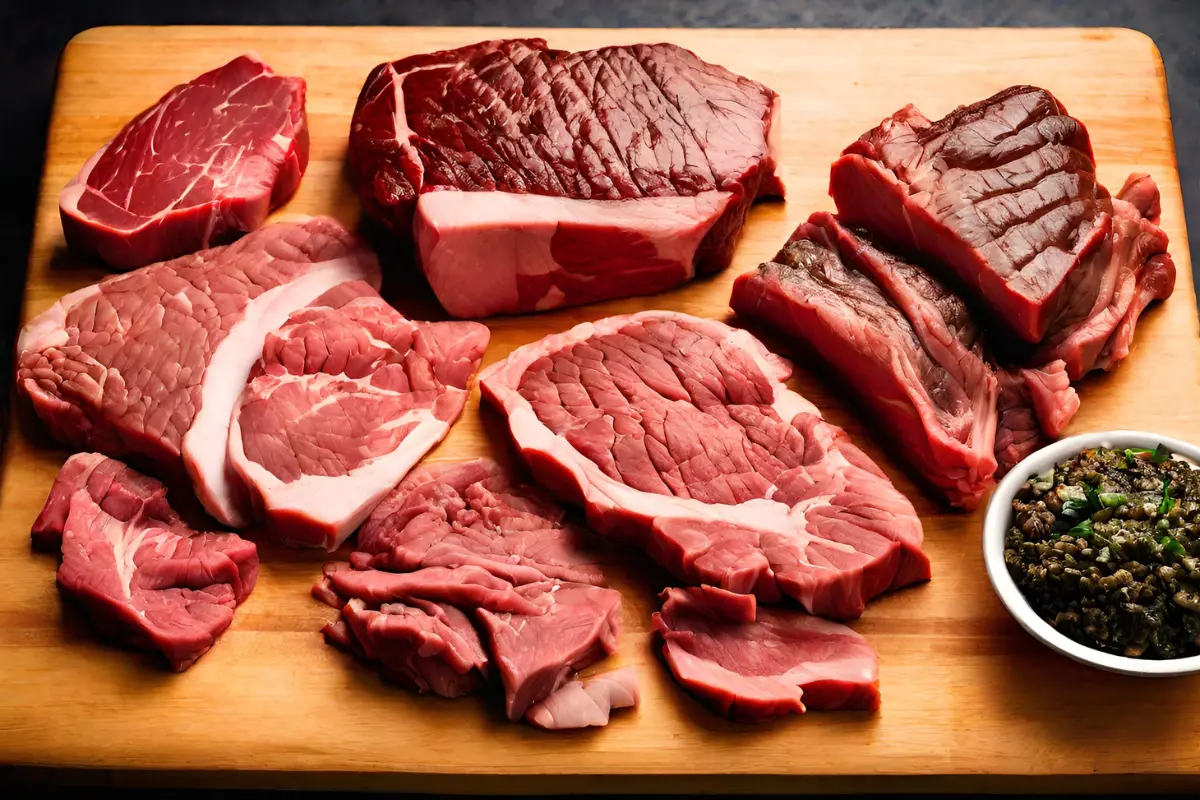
969	700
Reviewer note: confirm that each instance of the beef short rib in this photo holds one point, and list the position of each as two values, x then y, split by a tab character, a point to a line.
141	575
347	397
207	161
678	435
531	178
151	363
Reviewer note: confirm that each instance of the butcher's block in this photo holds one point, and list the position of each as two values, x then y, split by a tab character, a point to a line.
969	700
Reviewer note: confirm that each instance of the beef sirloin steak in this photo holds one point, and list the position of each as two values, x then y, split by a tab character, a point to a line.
152	363
208	160
532	178
347	397
677	434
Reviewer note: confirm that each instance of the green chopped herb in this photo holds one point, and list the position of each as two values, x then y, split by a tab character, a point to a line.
1082	530
1168	502
1172	544
1158	455
1093	497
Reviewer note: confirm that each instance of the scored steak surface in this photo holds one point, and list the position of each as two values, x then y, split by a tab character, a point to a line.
207	161
531	178
677	434
152	363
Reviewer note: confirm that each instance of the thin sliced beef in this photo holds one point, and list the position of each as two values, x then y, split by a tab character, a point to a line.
756	664
1138	270
573	625
472	514
151	363
678	435
1001	195
347	397
586	703
205	162
531	178
143	577
469	587
423	646
904	344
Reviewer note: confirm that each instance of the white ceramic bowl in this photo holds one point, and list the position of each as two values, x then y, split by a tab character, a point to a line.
999	519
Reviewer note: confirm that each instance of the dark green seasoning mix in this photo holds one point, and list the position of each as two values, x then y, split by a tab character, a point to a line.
1106	548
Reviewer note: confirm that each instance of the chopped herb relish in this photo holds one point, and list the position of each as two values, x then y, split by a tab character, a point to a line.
1106	548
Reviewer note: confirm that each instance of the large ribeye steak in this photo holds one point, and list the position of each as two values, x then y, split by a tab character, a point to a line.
1001	195
677	434
152	363
901	341
207	161
532	178
143	577
347	397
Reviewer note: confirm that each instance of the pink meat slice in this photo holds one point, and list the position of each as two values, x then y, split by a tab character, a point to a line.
151	364
469	587
142	576
347	397
207	161
586	703
473	514
424	646
570	627
570	177
678	435
1035	406
765	663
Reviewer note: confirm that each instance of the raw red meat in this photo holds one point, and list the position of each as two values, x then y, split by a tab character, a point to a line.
755	664
586	703
678	435
151	363
347	397
904	344
469	587
142	576
1001	195
531	178
207	161
472	514
574	625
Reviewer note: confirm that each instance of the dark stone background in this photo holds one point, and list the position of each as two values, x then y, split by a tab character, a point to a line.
32	35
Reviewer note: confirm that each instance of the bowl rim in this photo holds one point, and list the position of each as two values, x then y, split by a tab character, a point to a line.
996	524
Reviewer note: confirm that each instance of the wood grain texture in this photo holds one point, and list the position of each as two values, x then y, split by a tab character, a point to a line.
968	698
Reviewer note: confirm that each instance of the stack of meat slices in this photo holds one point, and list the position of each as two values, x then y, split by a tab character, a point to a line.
999	203
462	541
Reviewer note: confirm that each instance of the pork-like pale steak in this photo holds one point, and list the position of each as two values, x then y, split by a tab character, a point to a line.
143	577
152	363
532	178
205	162
677	434
347	397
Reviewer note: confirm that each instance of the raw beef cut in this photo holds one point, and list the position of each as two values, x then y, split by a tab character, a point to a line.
347	397
1136	271
472	514
207	161
142	576
678	435
151	364
470	587
756	664
586	703
1001	194
1034	406
575	625
531	178
901	341
427	647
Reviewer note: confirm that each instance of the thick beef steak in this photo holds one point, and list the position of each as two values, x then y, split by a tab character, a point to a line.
904	344
206	161
347	397
677	434
142	576
152	363
532	178
753	664
1001	194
